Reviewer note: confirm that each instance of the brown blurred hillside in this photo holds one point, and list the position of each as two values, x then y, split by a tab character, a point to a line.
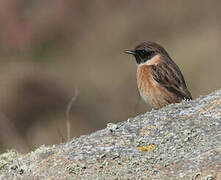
48	49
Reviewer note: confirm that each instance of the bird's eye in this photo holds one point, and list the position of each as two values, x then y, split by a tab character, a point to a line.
143	54
143	51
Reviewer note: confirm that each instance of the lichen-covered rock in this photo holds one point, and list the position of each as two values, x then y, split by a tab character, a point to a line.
180	141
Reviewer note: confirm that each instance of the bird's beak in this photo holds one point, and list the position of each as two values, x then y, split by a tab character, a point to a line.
130	52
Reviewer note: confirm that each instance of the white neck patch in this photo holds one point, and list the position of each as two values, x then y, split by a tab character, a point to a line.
153	61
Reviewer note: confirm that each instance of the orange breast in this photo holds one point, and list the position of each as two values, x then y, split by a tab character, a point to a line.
145	83
152	92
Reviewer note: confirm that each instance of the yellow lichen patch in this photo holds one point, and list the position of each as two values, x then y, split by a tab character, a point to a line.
146	130
147	148
187	117
218	112
167	119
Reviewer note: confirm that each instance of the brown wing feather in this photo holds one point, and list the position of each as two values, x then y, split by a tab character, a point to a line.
169	76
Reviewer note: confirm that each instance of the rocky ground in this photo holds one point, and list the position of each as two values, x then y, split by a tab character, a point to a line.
180	141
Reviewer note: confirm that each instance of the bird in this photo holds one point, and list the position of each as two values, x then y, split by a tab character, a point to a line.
159	79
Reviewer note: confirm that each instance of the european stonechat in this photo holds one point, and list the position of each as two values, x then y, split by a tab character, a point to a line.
159	80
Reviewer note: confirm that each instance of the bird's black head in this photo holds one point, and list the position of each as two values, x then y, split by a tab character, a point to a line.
146	51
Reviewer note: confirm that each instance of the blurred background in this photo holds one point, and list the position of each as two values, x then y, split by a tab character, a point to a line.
49	50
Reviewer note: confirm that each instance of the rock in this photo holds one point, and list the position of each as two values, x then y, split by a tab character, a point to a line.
180	141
